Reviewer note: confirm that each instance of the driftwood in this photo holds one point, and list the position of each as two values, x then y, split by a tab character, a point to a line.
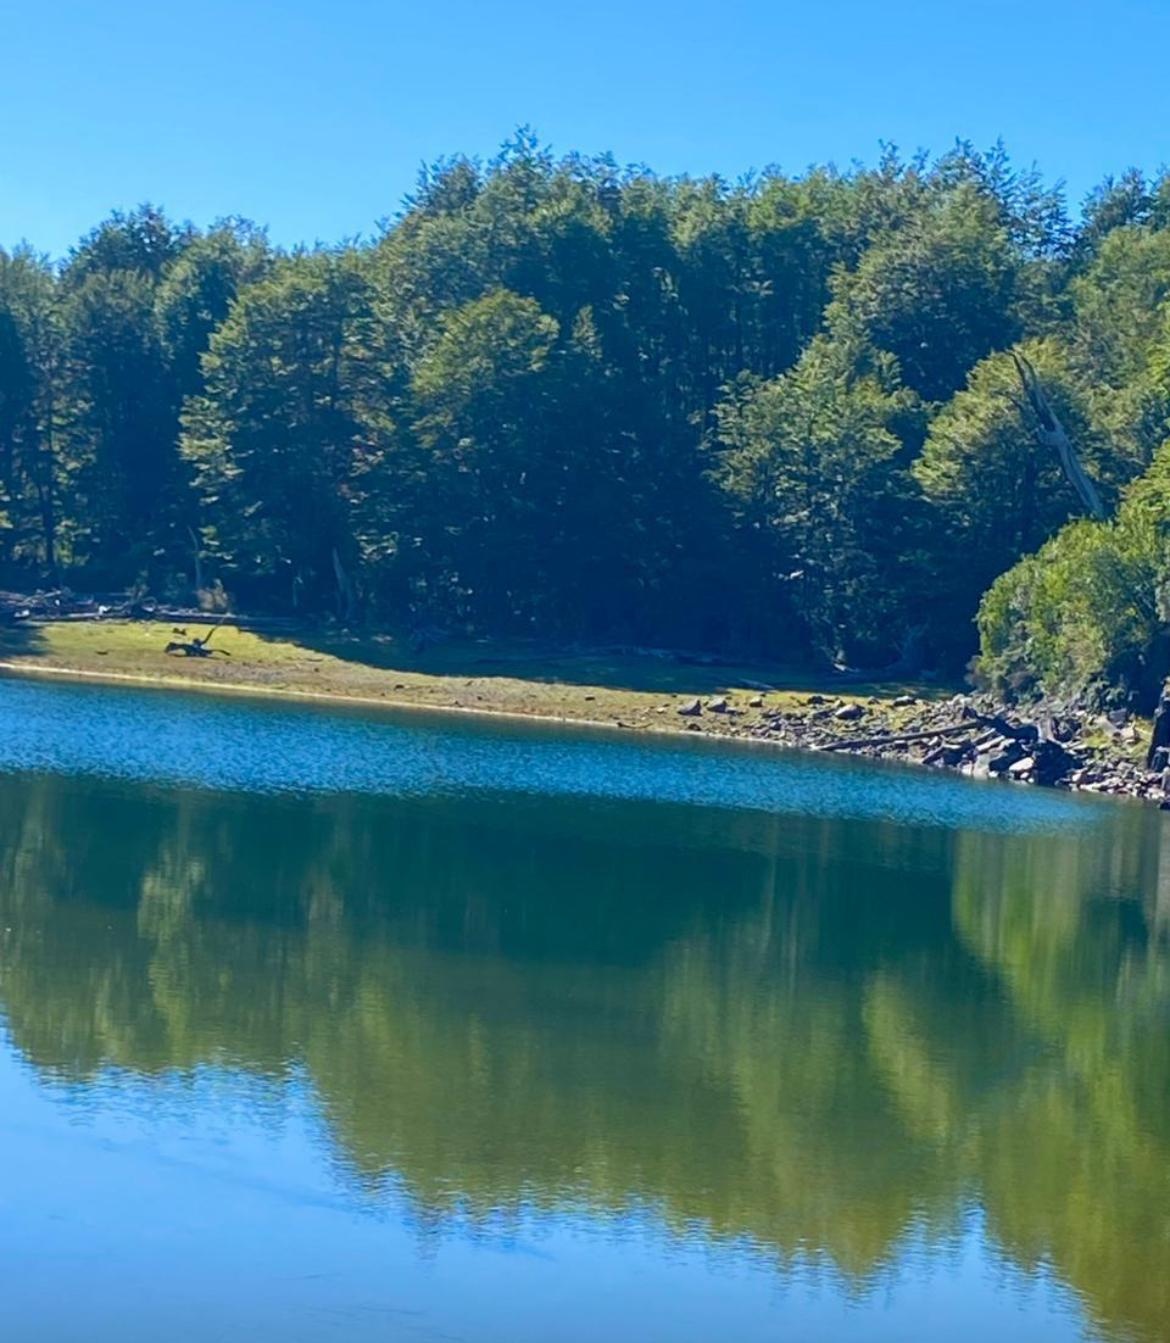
899	738
196	648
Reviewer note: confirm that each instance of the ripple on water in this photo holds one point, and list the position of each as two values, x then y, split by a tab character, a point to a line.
261	746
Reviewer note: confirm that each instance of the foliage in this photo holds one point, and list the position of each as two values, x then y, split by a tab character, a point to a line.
816	470
1080	615
556	396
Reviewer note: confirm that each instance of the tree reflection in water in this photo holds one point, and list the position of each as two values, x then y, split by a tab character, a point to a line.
825	1036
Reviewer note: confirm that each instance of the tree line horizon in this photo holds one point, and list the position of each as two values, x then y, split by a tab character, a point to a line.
778	418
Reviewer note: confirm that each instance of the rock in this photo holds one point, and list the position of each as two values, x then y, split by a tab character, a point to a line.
1129	734
1002	755
1014	731
718	705
848	713
1118	717
1051	762
1022	768
904	701
945	755
691	709
1063	728
756	702
1000	764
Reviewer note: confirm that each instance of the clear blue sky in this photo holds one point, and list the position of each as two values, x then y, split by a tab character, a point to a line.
312	116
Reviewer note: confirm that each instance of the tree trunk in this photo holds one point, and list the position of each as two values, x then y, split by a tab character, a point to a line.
197	552
345	593
1052	434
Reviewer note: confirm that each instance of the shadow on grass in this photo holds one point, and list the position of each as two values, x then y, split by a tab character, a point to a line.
526	662
610	669
21	641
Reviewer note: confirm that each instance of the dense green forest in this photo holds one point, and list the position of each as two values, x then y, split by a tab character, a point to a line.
778	418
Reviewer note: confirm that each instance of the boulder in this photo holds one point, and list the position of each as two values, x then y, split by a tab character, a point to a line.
691	709
1002	756
946	754
848	713
1052	763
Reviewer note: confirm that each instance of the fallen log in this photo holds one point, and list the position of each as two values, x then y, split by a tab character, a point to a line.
900	738
197	648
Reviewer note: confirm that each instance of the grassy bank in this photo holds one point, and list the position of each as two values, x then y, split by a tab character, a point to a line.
635	691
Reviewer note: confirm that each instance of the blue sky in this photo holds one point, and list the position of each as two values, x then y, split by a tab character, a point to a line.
313	117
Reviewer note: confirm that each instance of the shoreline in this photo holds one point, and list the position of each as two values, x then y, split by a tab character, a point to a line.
19	670
921	726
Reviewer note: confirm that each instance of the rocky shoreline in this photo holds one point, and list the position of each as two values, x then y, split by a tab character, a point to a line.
1054	746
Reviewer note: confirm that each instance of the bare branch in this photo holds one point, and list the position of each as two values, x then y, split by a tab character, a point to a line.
1052	434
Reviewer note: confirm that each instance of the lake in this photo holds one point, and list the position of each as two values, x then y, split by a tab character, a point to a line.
328	1025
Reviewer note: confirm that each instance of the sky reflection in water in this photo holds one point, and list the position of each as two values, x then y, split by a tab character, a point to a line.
329	1026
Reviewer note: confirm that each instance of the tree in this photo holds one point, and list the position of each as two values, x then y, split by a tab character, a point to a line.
814	466
123	399
34	470
197	291
481	394
558	395
277	439
1000	491
1079	616
940	293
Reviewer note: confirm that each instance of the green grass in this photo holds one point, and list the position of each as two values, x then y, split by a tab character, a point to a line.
635	690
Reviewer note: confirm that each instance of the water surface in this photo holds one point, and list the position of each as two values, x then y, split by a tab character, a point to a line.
329	1025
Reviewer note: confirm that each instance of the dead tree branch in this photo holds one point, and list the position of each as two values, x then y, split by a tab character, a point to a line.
1052	434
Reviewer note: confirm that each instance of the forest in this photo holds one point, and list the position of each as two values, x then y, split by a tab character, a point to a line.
779	418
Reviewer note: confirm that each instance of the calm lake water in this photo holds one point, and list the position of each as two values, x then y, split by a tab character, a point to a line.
327	1026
